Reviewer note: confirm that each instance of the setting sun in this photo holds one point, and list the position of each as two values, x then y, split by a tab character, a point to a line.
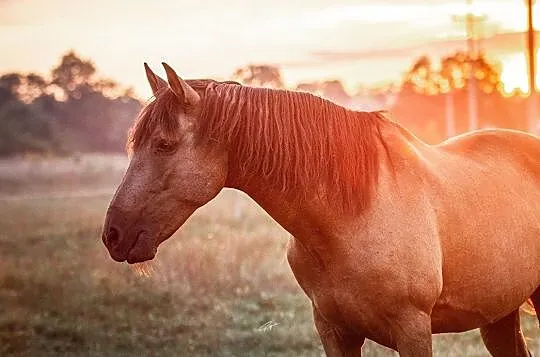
514	73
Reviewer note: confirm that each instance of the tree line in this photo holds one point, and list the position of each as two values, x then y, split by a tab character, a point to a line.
75	110
430	90
427	95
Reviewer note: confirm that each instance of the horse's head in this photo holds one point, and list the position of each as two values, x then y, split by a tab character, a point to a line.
170	175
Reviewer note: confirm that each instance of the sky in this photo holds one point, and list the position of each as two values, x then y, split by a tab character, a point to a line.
359	42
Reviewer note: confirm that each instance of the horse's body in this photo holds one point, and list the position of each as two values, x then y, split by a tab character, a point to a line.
455	230
393	239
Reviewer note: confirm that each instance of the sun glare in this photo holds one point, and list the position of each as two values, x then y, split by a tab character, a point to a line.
514	73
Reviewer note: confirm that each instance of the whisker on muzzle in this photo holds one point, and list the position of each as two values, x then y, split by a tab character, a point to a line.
145	269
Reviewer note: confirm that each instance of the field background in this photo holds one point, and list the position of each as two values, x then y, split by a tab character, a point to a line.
220	287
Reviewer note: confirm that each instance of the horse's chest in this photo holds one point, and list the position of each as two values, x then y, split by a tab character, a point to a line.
307	268
318	281
361	289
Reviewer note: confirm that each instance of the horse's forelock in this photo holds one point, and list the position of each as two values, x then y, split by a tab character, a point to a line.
160	114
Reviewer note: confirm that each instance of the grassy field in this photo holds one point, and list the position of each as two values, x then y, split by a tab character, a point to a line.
220	287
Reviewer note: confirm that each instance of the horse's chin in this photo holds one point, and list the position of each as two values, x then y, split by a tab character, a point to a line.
139	259
144	249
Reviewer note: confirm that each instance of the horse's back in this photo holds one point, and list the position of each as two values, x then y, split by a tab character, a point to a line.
493	165
515	148
487	194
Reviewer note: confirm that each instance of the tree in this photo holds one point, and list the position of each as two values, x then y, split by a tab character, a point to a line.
456	72
453	73
25	87
331	89
428	91
96	113
335	91
9	84
421	77
310	87
259	76
93	115
33	87
24	129
72	74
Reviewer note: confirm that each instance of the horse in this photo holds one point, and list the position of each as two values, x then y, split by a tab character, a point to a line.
393	239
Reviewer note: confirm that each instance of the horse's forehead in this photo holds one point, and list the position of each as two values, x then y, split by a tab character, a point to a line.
179	125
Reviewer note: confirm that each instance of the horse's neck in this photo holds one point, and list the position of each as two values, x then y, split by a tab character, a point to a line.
305	217
288	212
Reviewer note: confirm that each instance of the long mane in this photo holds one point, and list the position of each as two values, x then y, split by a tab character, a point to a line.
299	143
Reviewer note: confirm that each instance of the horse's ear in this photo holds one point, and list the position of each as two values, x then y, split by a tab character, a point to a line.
156	82
187	95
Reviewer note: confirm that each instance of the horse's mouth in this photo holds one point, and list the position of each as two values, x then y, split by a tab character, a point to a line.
143	249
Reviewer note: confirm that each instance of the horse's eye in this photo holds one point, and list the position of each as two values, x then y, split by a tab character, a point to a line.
164	147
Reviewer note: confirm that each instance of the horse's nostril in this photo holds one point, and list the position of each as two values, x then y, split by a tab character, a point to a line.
113	237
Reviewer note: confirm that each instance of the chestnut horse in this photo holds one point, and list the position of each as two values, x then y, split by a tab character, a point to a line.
394	239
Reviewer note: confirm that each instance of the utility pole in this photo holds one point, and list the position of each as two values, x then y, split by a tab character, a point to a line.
531	52
471	22
450	121
473	108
